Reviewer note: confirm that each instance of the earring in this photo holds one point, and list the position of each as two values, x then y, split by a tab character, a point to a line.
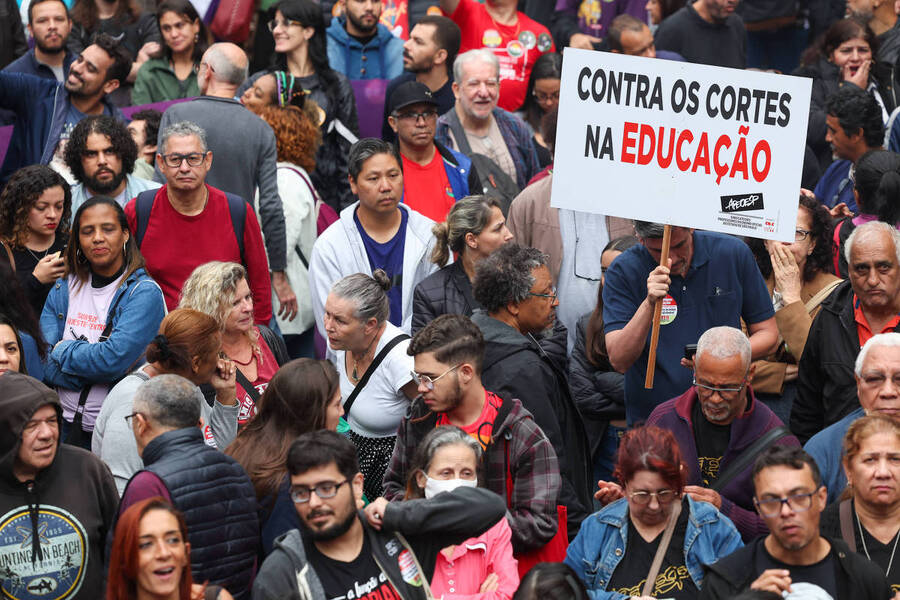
79	256
196	37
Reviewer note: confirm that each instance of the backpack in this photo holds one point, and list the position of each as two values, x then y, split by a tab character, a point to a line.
325	215
495	182
237	207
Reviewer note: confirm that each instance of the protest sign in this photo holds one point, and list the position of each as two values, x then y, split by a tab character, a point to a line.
688	145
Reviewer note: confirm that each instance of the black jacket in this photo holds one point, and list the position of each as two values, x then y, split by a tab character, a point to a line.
599	393
516	367
826	387
855	576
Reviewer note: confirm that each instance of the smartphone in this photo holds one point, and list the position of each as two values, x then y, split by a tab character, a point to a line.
689	351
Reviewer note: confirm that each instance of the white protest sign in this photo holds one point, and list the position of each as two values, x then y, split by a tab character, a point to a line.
672	142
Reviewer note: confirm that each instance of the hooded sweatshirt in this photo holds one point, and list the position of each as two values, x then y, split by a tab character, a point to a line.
71	505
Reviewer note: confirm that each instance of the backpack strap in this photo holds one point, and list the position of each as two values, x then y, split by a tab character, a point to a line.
143	205
237	207
316	203
846	520
458	133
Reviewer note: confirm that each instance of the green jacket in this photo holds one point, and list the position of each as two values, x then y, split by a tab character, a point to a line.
156	82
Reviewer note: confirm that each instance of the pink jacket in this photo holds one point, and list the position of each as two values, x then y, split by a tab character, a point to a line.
460	577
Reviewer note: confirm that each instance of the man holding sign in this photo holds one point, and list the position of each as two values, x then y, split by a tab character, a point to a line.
711	280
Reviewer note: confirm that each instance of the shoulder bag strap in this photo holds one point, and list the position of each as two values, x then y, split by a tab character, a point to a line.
821	295
9	255
650	582
247	385
315	196
142	207
748	456
836	245
375	362
845	515
459	133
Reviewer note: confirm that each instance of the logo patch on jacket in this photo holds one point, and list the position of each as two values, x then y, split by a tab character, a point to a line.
409	571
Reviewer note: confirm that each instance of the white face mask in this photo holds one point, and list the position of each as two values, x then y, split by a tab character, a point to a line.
436	486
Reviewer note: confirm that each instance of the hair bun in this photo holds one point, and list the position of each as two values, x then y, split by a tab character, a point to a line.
162	344
382	279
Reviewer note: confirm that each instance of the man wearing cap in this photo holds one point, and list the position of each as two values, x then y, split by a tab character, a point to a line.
434	176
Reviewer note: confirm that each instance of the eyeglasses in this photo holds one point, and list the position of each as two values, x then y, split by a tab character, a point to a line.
194	159
327	489
706	391
552	295
801	235
128	418
771	507
542	97
427	381
474	84
282	22
415	116
662	496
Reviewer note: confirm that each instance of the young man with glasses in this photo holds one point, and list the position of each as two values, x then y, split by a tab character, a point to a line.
448	359
387	550
716	420
793	557
188	222
435	177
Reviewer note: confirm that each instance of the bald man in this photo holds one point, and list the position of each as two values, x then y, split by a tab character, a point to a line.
242	162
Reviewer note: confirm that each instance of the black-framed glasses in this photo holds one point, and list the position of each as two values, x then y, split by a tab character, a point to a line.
128	418
283	22
173	160
771	507
643	497
427	381
553	295
726	393
327	489
425	114
801	234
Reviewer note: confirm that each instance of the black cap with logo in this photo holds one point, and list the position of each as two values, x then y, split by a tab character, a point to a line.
409	93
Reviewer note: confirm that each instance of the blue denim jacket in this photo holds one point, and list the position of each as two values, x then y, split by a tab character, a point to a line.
73	364
600	544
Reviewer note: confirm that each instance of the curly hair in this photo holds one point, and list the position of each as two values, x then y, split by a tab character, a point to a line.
296	135
506	276
24	188
80	268
122	143
822	256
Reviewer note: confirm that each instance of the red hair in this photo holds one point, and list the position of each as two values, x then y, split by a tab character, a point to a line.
123	559
650	448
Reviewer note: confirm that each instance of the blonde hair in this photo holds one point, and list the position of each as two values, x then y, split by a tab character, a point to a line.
861	430
210	290
468	215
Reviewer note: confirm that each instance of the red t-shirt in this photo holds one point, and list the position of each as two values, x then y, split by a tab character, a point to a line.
426	189
483	427
517	47
175	244
265	371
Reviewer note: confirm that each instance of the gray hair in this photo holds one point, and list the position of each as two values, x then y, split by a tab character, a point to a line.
506	276
182	129
170	401
648	230
480	55
369	294
868	229
724	342
448	435
365	149
224	69
881	340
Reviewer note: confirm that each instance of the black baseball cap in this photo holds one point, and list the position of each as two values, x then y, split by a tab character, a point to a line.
411	92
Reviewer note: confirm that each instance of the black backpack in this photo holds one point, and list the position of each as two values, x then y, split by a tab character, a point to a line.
495	182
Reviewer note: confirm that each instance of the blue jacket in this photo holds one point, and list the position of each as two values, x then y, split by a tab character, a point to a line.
73	364
40	106
600	544
826	448
27	63
383	54
836	185
457	174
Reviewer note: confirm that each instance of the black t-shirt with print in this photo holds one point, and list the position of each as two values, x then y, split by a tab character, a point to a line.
712	442
820	574
673	580
355	579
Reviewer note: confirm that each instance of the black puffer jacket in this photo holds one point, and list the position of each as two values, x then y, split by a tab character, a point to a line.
516	367
599	393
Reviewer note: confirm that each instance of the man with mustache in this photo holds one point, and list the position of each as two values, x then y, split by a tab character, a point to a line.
881	18
865	305
359	46
101	155
706	32
47	110
49	25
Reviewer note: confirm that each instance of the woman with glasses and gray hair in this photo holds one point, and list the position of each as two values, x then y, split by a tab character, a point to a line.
615	549
374	369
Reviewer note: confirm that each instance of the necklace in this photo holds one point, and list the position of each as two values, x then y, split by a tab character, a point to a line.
244	364
36	257
356	361
887	571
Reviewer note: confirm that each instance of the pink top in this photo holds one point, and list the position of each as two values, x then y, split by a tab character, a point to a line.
460	577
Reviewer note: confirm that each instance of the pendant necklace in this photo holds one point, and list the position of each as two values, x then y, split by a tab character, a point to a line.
866	550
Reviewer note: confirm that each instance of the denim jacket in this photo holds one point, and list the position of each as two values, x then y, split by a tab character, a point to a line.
73	364
596	551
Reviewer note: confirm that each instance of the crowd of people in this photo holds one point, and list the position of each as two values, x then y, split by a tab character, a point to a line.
248	352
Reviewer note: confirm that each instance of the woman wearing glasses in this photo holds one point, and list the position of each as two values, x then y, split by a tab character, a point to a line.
189	345
542	98
868	515
374	369
799	277
615	547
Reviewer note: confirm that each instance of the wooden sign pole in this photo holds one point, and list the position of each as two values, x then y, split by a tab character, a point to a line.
657	313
